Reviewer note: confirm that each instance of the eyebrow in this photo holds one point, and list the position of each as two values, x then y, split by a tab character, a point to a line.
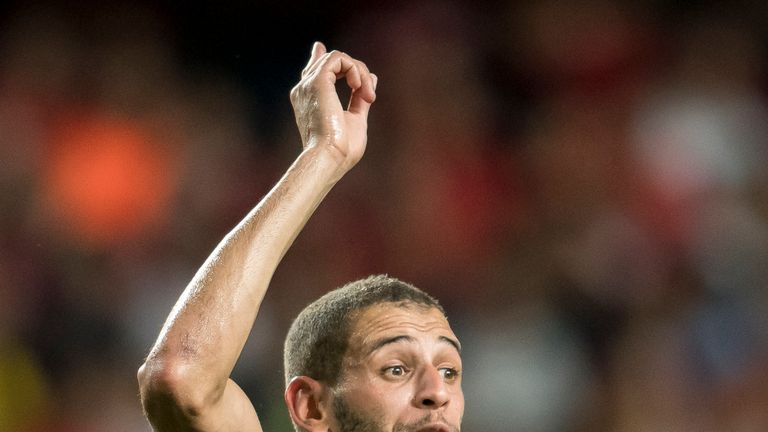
405	338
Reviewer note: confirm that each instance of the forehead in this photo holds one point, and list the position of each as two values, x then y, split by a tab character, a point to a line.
395	319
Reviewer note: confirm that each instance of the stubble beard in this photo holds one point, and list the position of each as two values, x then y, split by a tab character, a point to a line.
354	421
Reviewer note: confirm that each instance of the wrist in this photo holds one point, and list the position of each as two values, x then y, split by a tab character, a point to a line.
327	159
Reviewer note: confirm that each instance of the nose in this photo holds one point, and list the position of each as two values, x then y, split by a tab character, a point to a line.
432	391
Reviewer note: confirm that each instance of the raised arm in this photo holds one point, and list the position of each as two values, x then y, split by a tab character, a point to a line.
184	382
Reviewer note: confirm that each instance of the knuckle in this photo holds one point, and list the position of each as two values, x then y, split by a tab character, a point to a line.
306	84
295	93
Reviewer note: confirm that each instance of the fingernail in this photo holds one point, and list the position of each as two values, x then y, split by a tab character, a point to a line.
375	80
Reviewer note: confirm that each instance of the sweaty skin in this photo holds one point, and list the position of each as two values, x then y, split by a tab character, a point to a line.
404	367
184	382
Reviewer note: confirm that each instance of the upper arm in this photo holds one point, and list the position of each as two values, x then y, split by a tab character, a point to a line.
232	412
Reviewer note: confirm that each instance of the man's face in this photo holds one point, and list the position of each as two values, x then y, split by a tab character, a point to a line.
402	373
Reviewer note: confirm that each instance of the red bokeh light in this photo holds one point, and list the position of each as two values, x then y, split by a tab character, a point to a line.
108	178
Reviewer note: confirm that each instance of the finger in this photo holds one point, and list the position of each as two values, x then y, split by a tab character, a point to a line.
368	91
358	104
361	99
312	68
340	65
318	49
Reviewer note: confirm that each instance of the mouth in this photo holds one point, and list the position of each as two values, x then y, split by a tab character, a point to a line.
435	427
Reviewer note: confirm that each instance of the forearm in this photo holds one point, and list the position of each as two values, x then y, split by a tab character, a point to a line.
207	328
185	381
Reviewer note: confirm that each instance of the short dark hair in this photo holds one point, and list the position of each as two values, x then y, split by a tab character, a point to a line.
319	336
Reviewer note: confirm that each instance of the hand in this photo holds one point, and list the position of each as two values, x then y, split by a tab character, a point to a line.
319	115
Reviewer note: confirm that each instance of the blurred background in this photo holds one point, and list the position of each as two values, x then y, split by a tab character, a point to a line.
581	183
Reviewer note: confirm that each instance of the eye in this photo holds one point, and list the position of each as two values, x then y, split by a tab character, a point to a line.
449	374
394	371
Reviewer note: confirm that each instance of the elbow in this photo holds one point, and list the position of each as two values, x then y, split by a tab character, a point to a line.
168	389
156	380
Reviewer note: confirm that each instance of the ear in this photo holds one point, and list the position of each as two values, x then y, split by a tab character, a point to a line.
308	403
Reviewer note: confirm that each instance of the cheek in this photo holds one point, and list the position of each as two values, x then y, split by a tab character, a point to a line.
393	396
459	406
377	396
397	398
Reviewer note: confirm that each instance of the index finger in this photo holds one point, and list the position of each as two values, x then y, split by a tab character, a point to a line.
318	49
335	65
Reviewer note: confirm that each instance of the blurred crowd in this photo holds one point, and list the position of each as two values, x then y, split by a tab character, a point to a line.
581	184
